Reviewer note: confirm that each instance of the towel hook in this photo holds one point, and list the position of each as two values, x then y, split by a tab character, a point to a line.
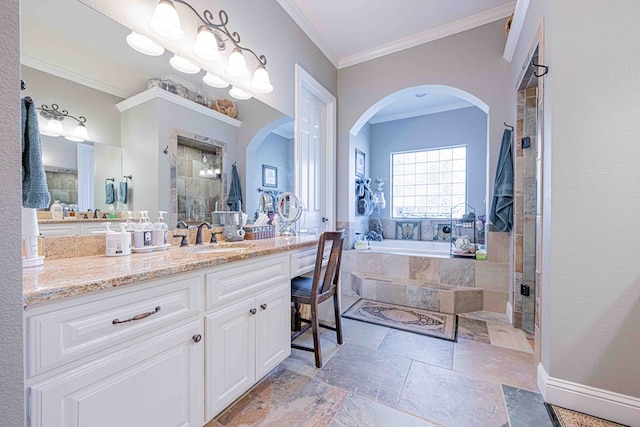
127	177
546	69
509	126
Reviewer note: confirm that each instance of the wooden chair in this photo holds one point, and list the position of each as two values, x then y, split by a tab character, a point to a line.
312	291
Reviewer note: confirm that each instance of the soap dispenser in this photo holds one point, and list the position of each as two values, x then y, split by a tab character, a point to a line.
117	243
147	228
56	210
160	228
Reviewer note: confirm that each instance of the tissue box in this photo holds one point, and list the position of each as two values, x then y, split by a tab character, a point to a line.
256	232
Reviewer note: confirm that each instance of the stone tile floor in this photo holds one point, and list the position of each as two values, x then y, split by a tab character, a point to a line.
386	377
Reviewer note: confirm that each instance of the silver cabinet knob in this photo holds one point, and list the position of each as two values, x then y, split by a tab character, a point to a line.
196	338
253	311
263	306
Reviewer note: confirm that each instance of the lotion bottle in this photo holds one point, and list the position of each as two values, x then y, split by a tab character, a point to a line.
56	210
160	228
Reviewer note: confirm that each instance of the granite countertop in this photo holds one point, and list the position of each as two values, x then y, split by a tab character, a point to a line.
79	219
61	278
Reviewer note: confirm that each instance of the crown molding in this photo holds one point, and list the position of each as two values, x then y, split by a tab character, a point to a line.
299	18
420	112
519	15
430	35
74	77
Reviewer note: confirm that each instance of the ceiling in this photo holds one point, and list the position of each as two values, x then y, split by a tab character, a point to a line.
354	31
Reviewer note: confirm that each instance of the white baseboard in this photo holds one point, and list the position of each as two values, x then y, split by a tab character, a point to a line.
589	400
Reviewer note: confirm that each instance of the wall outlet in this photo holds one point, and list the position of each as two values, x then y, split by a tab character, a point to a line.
524	290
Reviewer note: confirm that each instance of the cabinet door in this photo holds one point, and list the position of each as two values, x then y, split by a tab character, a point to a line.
273	328
155	383
230	354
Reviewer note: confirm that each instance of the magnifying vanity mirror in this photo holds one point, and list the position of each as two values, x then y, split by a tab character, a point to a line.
289	210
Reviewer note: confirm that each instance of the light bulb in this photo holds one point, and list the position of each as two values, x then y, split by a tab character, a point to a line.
202	172
237	66
183	65
206	46
261	82
214	81
238	93
209	172
143	44
54	128
166	22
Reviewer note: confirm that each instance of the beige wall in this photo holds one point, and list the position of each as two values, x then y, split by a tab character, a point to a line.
11	385
590	282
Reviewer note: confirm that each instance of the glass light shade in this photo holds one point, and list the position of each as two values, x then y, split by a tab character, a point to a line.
261	82
214	81
209	172
81	132
237	66
54	128
143	44
184	65
238	93
206	47
166	22
202	172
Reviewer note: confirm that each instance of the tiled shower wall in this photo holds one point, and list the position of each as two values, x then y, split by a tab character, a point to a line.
197	196
525	210
63	186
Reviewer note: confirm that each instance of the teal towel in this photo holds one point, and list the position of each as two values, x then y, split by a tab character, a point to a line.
35	193
123	193
501	214
109	193
234	199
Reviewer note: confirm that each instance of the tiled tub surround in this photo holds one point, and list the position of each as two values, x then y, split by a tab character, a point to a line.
61	278
421	279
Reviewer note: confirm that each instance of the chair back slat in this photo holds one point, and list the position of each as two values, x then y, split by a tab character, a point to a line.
323	283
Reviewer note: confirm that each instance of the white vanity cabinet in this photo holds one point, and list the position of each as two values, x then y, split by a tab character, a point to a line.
126	357
247	327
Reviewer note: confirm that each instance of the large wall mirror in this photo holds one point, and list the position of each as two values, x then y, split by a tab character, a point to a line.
78	58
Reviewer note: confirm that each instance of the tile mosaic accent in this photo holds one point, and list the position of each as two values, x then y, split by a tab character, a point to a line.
408	230
568	418
439	231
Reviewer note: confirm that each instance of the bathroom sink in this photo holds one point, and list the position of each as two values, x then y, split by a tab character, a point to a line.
219	248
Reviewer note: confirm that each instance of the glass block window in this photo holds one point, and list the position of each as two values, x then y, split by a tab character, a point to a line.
428	183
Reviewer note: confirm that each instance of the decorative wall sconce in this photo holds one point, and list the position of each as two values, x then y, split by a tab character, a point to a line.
55	117
210	44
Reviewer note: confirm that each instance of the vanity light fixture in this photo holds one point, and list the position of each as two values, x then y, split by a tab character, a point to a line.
238	93
212	40
214	81
144	44
183	65
56	117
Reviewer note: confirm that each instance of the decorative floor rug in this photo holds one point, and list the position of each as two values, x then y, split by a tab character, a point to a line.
562	417
439	325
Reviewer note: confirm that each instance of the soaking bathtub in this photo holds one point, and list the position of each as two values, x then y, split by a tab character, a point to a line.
412	247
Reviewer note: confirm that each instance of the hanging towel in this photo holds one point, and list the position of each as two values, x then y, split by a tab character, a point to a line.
501	214
234	200
109	193
124	192
35	193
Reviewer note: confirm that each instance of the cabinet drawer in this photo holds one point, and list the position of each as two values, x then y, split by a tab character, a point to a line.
245	278
67	332
303	261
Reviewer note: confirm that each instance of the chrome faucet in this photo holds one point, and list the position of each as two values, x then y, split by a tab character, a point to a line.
199	233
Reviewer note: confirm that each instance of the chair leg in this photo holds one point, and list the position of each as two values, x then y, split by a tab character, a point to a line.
336	309
297	323
315	326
